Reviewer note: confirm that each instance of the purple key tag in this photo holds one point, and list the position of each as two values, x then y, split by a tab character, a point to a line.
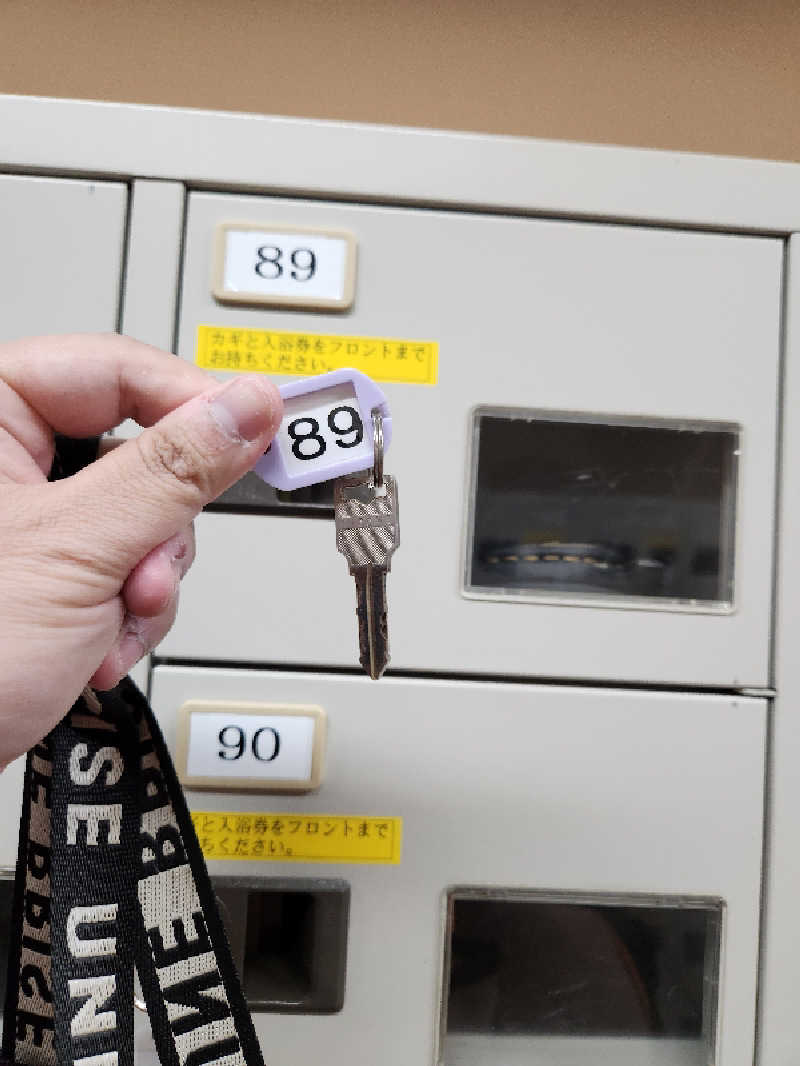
326	430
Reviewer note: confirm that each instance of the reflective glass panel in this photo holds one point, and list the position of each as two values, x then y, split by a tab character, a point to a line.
532	979
579	507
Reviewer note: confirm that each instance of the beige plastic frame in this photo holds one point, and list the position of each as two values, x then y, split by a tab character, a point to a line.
258	299
250	784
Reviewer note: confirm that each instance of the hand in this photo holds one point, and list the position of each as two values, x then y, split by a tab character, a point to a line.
90	565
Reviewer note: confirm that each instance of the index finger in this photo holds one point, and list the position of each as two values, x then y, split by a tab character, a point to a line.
85	384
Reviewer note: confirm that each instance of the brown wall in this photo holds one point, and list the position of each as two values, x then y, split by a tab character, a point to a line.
710	75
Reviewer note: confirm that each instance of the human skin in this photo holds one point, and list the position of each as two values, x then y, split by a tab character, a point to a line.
90	565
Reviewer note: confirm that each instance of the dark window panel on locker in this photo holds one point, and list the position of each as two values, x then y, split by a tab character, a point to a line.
580	979
564	506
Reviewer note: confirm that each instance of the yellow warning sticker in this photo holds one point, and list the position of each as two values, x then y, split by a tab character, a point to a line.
273	351
299	837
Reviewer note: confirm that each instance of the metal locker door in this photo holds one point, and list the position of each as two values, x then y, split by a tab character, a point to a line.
515	800
61	246
639	332
61	251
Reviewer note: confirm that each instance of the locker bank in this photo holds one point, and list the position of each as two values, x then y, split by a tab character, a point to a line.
563	828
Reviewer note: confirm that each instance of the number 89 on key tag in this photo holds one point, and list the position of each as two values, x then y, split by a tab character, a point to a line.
326	431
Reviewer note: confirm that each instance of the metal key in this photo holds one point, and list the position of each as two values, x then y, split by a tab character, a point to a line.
367	534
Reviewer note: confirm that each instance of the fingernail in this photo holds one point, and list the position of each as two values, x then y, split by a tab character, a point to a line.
243	408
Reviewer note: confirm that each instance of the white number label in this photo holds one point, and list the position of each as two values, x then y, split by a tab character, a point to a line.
327	430
307	268
226	747
322	430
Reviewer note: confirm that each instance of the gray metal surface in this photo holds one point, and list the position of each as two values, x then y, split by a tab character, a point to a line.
546	315
779	1027
509	786
61	245
364	162
155	233
61	251
152	272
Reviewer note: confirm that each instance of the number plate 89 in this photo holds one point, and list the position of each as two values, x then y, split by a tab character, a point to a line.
326	430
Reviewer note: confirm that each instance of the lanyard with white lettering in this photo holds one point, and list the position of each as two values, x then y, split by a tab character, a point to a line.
109	871
109	876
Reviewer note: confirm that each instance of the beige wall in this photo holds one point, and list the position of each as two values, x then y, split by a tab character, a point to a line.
709	75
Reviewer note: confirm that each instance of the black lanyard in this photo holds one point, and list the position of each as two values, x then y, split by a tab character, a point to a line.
110	875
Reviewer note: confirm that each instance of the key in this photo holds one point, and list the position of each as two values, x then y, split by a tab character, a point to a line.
367	534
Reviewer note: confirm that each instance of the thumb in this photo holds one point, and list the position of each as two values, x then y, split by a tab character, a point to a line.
150	488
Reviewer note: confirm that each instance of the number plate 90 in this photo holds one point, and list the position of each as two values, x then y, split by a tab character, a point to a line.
266	747
326	430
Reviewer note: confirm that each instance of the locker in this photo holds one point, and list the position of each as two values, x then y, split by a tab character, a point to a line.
678	337
549	794
61	255
577	784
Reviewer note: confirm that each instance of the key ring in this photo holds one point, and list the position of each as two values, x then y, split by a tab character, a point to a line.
377	462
